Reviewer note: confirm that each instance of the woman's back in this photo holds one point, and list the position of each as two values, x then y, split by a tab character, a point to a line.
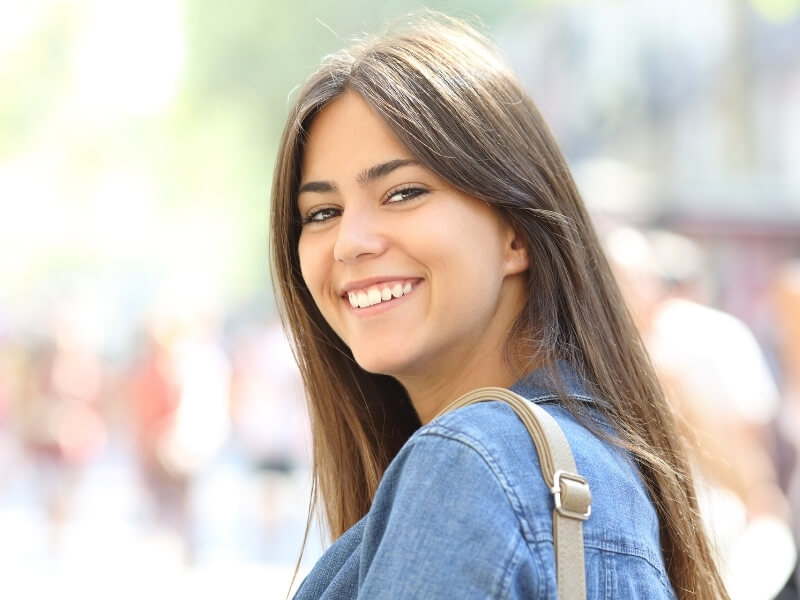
463	512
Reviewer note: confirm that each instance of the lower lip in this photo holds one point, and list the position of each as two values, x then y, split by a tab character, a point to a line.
381	307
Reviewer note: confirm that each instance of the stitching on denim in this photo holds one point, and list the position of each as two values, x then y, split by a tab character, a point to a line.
483	453
511	564
516	505
628	550
541	399
610	576
611	569
540	565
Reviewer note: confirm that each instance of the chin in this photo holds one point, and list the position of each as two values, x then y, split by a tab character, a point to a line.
378	366
380	363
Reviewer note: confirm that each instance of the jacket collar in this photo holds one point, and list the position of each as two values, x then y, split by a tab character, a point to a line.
539	385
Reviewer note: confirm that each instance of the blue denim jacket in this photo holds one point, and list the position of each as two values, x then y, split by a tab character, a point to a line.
463	512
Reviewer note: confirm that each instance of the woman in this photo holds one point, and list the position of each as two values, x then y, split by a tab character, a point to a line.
428	239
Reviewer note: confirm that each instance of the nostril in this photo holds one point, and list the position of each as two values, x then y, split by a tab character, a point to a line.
357	239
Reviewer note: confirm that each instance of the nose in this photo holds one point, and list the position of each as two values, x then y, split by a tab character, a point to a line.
358	236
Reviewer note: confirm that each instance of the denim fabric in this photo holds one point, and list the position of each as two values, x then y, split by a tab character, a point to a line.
463	512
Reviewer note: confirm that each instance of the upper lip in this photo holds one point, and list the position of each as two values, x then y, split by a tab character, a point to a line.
370	281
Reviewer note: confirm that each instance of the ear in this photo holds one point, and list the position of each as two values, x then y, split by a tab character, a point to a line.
516	258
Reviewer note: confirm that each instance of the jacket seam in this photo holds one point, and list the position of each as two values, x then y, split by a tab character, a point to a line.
484	454
543	399
632	553
514	501
626	550
511	564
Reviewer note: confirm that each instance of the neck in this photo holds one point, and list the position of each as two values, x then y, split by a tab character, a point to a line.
430	394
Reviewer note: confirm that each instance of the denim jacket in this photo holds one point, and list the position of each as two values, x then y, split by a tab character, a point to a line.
464	512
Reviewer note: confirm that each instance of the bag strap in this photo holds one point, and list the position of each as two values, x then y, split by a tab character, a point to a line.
571	494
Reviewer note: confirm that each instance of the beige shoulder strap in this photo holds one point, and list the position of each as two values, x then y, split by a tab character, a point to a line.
571	495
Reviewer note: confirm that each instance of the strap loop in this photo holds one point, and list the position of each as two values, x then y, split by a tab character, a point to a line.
571	495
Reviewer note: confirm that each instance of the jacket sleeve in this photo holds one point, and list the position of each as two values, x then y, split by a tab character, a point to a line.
443	525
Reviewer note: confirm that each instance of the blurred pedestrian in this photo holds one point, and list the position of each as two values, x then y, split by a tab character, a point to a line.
721	386
57	413
180	397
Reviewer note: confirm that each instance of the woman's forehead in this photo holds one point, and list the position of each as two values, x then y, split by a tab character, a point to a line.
345	137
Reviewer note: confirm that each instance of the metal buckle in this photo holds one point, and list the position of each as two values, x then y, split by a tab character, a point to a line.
556	490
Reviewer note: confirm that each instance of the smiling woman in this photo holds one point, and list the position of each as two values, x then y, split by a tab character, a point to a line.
428	239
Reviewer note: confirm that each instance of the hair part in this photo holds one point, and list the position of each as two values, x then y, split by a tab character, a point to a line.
442	90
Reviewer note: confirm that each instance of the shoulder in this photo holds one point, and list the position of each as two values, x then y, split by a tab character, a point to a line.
444	512
467	488
465	497
502	455
448	455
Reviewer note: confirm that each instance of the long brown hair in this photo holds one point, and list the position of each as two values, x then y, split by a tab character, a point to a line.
441	88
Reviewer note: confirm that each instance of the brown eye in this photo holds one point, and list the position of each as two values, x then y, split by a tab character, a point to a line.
404	194
320	215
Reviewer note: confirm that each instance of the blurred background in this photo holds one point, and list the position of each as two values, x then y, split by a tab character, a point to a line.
152	432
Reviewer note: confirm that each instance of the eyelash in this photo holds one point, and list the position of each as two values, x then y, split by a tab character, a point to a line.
312	216
407	193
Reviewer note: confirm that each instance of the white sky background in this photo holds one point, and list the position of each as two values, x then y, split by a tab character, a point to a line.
125	69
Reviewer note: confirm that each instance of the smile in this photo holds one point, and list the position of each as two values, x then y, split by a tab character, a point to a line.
382	292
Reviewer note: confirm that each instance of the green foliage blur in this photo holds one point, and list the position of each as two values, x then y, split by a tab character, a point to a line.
134	189
137	139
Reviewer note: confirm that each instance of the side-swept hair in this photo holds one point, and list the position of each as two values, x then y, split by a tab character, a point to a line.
443	91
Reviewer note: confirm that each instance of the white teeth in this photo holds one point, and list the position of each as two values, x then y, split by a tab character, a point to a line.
374	295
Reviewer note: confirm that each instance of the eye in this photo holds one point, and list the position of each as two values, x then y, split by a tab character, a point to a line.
404	193
320	215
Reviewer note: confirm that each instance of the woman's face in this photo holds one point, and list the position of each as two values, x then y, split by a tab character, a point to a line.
416	277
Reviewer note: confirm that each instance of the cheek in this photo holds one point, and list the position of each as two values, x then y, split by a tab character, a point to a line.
482	253
314	273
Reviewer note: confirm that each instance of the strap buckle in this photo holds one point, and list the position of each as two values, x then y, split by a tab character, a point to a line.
562	482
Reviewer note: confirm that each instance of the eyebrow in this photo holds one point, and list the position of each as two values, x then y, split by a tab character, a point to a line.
367	176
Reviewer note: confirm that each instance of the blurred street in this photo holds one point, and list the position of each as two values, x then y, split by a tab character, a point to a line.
108	547
154	441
